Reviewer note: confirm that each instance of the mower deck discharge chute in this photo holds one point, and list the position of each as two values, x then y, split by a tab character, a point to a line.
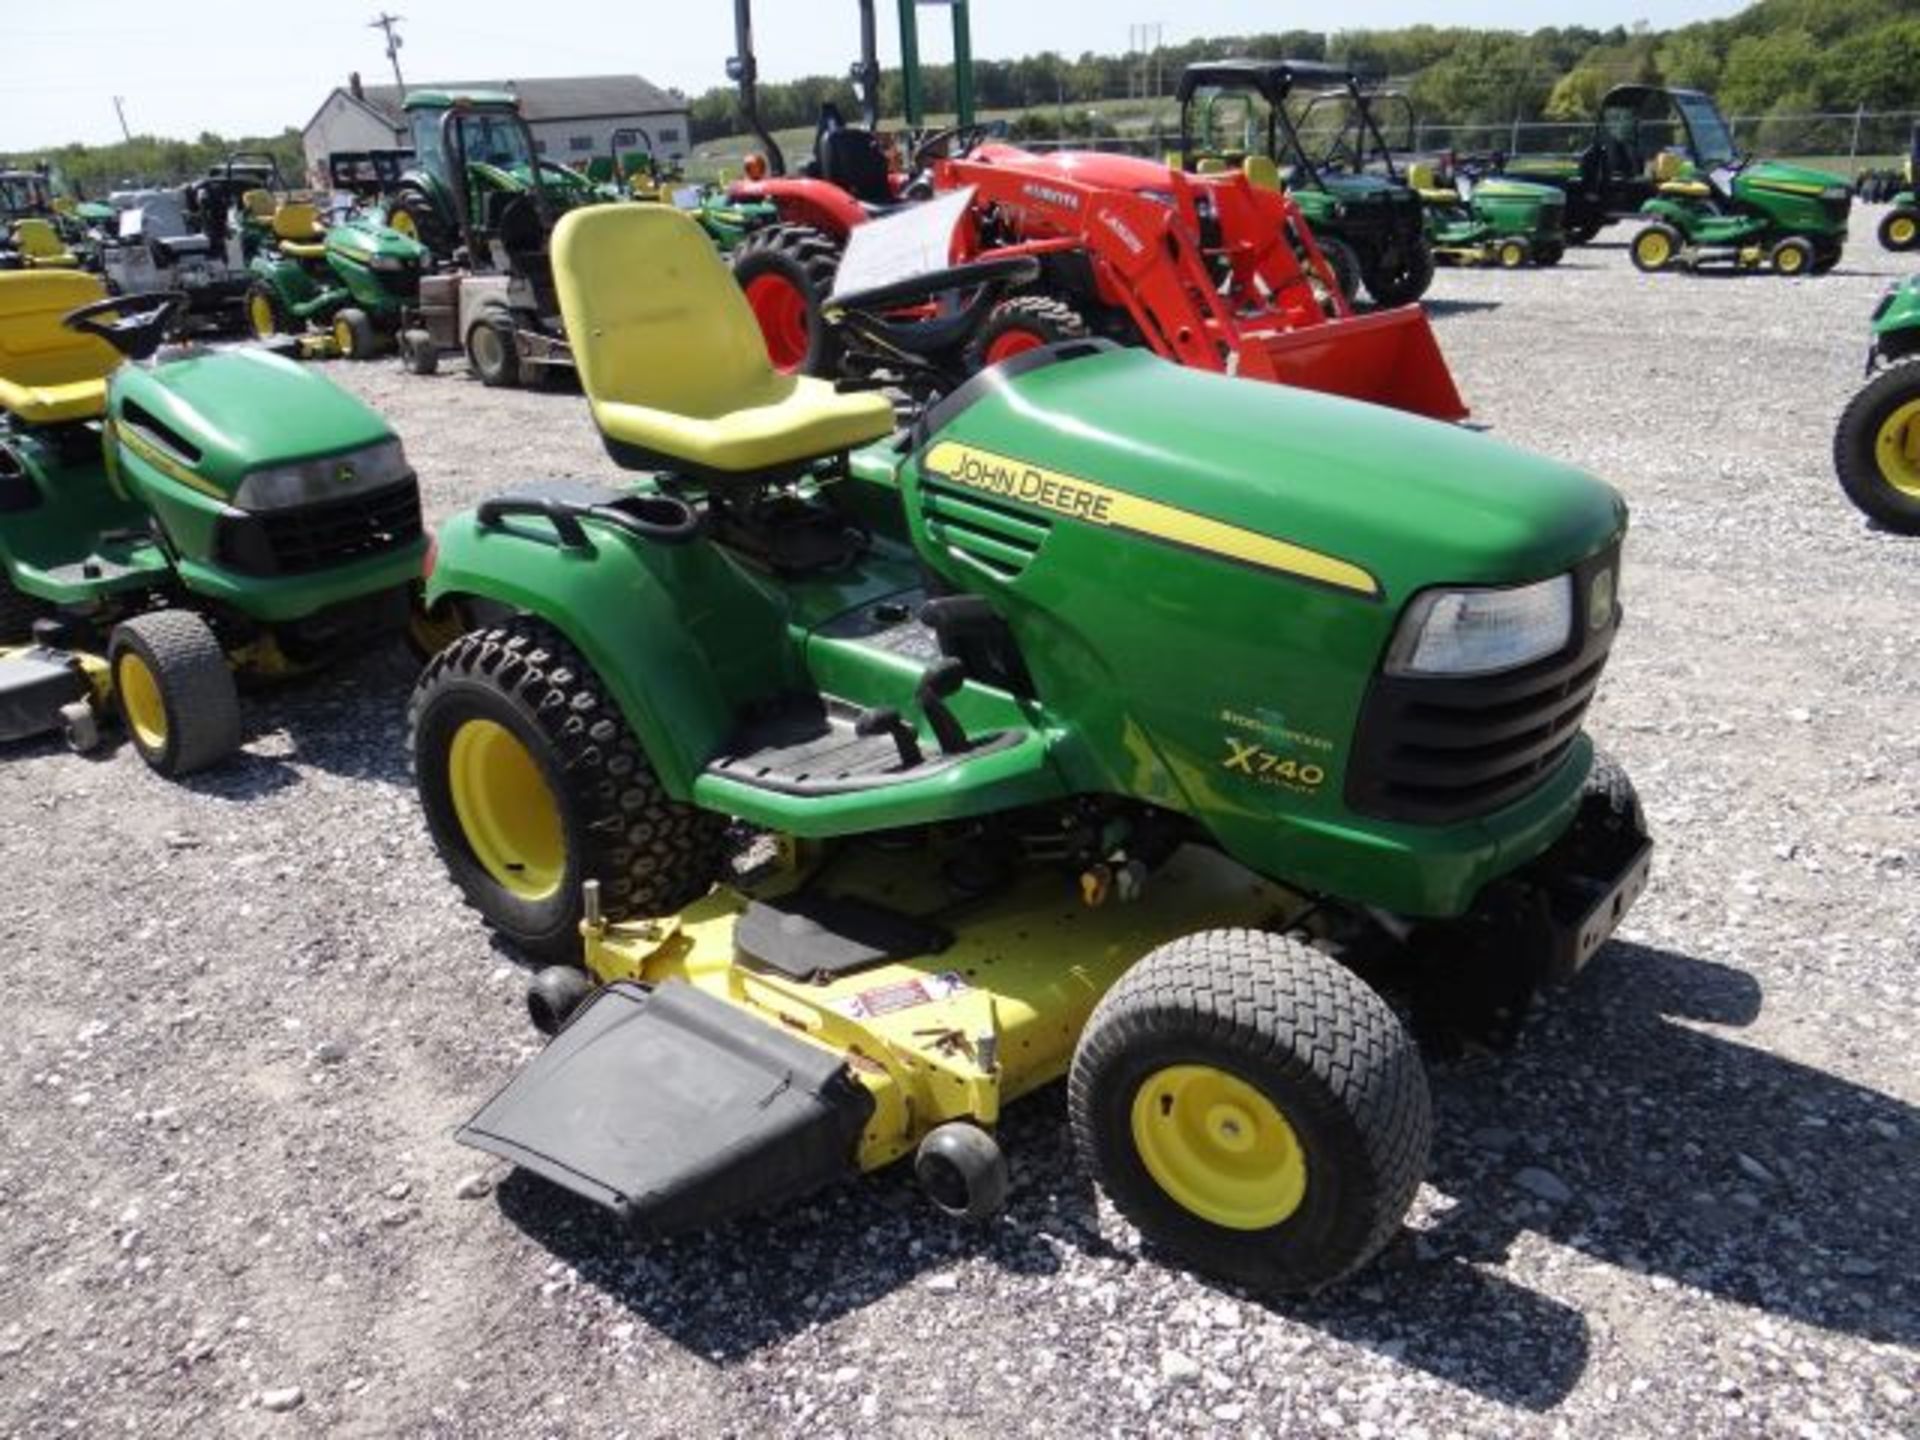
1113	723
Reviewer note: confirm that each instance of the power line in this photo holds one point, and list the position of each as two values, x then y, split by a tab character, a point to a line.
385	23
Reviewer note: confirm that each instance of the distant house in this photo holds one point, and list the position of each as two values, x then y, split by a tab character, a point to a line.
572	118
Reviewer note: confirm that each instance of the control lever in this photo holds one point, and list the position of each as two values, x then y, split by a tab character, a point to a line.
886	720
936	684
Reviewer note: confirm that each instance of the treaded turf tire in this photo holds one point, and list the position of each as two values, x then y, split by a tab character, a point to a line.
1318	1044
650	853
195	688
806	260
1856	457
1034	319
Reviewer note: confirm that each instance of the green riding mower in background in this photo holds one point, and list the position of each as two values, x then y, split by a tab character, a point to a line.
169	520
1119	722
1371	229
1876	446
1492	221
1900	226
356	284
1712	205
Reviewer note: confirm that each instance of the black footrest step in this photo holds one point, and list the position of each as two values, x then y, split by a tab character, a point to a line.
806	745
675	1109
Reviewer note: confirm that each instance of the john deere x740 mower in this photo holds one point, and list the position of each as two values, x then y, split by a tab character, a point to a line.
165	524
1876	446
1115	721
358	282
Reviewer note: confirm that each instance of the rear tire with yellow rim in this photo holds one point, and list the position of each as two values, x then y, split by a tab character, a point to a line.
533	785
1900	229
175	691
266	316
1655	248
1876	448
1254	1108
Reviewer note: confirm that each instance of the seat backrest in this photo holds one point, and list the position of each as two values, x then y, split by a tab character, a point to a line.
1261	172
1666	166
851	159
37	238
1420	176
35	348
259	204
296	221
1210	165
654	315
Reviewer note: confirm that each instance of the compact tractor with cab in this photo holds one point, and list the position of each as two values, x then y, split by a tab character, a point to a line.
1876	446
473	199
1711	205
1371	229
1117	722
357	283
169	517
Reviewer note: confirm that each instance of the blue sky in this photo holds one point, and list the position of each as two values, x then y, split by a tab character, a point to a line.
252	66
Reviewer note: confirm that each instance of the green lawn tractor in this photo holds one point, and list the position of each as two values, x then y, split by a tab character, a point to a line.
356	283
1371	229
1900	226
1876	446
1119	722
1712	205
471	200
169	519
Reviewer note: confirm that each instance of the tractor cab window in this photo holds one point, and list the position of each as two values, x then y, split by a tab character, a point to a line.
1712	141
500	141
426	142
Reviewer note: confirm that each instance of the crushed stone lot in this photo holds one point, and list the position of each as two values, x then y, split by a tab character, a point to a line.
246	1013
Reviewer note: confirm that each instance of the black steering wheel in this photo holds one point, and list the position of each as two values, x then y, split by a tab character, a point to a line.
140	322
950	143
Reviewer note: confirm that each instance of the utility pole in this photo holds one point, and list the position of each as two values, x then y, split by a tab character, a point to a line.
120	109
385	23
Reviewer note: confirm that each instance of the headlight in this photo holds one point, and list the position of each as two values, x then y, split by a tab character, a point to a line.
1836	192
387	262
1482	632
333	477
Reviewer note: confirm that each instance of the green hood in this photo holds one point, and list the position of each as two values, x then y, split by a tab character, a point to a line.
246	409
1362	189
1795	179
365	238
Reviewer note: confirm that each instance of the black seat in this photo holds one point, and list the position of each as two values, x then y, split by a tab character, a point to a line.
851	158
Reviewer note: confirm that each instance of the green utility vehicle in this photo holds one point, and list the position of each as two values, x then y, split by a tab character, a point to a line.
1713	205
1472	217
1371	229
357	283
1876	447
167	519
1116	720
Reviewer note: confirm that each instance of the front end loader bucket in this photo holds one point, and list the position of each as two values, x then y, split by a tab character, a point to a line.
1388	357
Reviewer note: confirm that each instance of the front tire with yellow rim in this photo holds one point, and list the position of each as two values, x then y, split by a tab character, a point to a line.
1511	254
533	785
354	335
1900	229
1876	448
1254	1108
1655	248
175	691
1792	257
266	316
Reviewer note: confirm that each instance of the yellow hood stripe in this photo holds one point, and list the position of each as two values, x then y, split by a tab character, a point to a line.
1004	478
165	463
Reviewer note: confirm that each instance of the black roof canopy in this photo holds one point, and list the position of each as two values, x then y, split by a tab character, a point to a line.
1276	76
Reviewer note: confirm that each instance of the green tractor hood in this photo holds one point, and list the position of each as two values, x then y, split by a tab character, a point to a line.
237	411
366	240
1794	180
1362	189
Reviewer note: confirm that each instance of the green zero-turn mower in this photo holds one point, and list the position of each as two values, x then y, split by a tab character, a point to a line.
1876	446
1713	205
1370	228
357	282
1114	721
170	518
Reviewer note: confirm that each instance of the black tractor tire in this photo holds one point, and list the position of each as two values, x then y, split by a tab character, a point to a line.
192	683
1900	230
18	612
1348	272
1890	500
1024	322
1315	1043
1403	282
1549	253
1647	258
804	260
1610	792
418	353
422	222
490	352
1792	257
650	853
354	334
262	296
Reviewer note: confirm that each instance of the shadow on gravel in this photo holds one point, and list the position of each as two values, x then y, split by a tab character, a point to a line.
1691	1158
1459	307
348	719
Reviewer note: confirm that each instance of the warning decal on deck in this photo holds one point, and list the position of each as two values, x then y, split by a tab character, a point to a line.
901	995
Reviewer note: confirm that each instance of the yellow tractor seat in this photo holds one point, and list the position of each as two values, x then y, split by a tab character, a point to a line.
1261	172
40	244
1688	189
49	373
1666	167
259	204
297	223
1211	165
672	359
1420	179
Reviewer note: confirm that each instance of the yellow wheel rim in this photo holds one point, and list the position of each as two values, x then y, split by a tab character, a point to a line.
1789	261
1655	250
1896	449
140	699
1902	230
506	810
402	222
343	338
1512	256
1219	1147
260	316
432	632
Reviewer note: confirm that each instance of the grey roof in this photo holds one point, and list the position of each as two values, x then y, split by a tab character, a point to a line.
554	97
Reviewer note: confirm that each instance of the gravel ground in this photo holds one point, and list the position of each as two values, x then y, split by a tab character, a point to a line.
247	1012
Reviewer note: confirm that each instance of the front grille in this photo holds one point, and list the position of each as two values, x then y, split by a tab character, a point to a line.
1433	751
308	538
